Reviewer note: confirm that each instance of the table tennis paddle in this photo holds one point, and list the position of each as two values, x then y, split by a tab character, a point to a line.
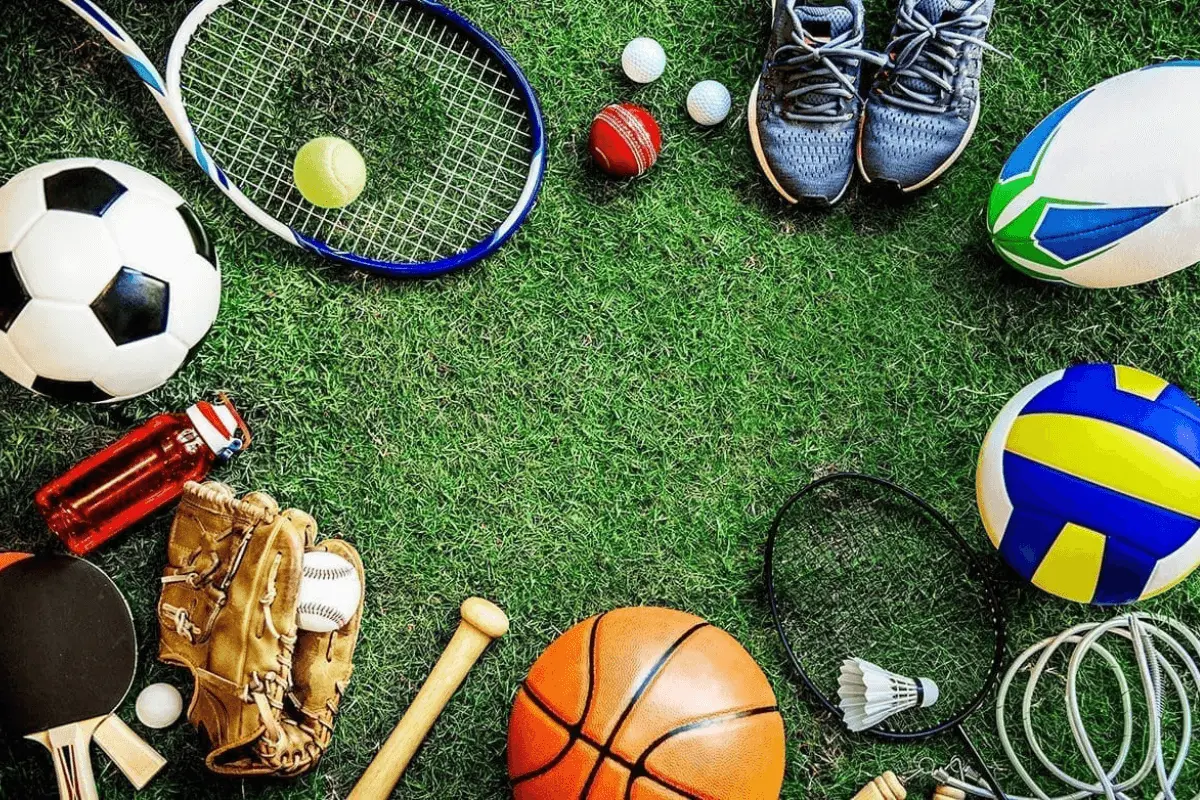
68	654
137	760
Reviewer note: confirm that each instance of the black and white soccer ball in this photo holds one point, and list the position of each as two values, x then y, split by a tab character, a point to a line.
107	280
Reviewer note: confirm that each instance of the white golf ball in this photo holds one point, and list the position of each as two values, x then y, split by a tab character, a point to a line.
643	60
708	103
159	705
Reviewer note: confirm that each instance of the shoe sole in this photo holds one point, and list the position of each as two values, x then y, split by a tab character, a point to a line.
937	173
752	123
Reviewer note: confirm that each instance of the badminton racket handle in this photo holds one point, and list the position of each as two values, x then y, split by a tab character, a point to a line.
482	623
988	777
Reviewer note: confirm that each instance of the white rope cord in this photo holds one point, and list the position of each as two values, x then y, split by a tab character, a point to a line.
1160	646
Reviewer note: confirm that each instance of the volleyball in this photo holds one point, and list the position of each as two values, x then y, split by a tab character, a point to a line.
1089	484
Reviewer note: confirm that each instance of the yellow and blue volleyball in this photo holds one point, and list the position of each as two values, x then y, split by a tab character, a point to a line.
1089	484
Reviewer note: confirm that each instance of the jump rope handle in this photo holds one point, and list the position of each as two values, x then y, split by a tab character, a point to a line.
886	787
482	623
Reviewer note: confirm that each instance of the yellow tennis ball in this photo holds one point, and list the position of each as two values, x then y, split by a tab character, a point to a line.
330	172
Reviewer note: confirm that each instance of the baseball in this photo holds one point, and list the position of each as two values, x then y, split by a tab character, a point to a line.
329	592
159	705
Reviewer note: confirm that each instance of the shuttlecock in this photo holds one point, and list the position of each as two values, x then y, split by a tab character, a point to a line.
870	694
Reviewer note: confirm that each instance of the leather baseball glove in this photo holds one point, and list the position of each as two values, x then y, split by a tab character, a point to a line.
266	693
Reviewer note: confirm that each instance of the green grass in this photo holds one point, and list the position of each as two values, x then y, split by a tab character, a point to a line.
611	410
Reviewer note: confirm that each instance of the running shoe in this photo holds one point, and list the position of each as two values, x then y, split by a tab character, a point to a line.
805	106
924	102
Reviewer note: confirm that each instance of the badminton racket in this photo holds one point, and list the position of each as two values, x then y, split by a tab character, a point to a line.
857	566
234	91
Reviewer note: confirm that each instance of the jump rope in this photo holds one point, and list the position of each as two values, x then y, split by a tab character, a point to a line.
1164	651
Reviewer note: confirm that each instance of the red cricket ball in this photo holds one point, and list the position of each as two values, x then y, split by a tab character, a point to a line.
625	140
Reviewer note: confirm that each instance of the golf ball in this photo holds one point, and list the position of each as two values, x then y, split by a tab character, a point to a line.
708	103
643	60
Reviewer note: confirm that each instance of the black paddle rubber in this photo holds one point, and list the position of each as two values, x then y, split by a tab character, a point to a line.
68	651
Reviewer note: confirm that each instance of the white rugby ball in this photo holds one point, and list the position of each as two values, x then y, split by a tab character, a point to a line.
1106	190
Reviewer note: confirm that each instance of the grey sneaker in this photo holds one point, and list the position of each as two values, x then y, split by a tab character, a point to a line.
924	102
805	106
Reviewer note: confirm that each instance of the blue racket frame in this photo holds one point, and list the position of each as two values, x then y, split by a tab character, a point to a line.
166	93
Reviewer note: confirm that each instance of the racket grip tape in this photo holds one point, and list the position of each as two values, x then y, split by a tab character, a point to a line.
481	624
137	760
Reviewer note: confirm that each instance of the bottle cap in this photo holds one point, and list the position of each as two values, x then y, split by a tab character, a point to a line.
220	426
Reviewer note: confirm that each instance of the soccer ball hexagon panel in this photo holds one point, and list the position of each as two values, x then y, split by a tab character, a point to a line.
107	280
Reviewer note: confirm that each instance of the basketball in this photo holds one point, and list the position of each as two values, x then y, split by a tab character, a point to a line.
645	704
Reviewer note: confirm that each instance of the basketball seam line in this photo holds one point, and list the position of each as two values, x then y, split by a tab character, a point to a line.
636	773
633	701
636	769
574	732
642	770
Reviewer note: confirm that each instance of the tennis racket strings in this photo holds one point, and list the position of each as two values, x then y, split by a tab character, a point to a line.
236	65
858	567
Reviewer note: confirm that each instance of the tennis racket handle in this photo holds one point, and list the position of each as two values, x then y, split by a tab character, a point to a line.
482	623
137	760
69	747
949	793
886	787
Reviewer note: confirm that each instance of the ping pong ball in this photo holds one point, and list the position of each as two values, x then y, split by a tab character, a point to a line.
159	705
330	172
643	60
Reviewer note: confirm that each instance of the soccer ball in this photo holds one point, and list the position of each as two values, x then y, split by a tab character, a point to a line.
107	281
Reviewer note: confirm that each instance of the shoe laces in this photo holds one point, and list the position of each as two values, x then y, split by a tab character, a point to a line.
819	88
923	56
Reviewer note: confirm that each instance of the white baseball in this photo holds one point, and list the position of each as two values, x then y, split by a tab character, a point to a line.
329	592
159	705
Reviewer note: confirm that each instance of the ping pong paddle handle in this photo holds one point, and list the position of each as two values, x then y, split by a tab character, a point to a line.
137	760
482	623
69	747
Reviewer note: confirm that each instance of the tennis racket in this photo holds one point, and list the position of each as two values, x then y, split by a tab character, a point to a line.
857	566
235	93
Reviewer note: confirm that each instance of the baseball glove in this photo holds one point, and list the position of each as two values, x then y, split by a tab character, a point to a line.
266	693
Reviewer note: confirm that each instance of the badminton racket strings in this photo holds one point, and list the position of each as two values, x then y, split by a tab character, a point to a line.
862	570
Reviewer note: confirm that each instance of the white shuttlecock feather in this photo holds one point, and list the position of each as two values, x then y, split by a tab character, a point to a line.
870	694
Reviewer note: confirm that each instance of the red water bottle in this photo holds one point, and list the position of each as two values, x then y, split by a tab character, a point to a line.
131	479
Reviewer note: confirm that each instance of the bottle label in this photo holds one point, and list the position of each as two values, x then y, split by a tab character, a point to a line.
218	426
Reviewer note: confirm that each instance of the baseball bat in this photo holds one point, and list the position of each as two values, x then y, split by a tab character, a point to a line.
482	623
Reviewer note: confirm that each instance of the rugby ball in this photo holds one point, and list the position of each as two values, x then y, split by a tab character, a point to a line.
1106	190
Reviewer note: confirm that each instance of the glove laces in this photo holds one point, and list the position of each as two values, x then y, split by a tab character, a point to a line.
820	90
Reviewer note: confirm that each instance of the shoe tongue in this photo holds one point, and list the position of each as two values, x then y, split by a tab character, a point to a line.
934	10
822	23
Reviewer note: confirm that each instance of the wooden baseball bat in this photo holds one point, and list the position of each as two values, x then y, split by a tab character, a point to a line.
482	623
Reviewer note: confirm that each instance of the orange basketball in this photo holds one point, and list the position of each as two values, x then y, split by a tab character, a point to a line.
645	704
